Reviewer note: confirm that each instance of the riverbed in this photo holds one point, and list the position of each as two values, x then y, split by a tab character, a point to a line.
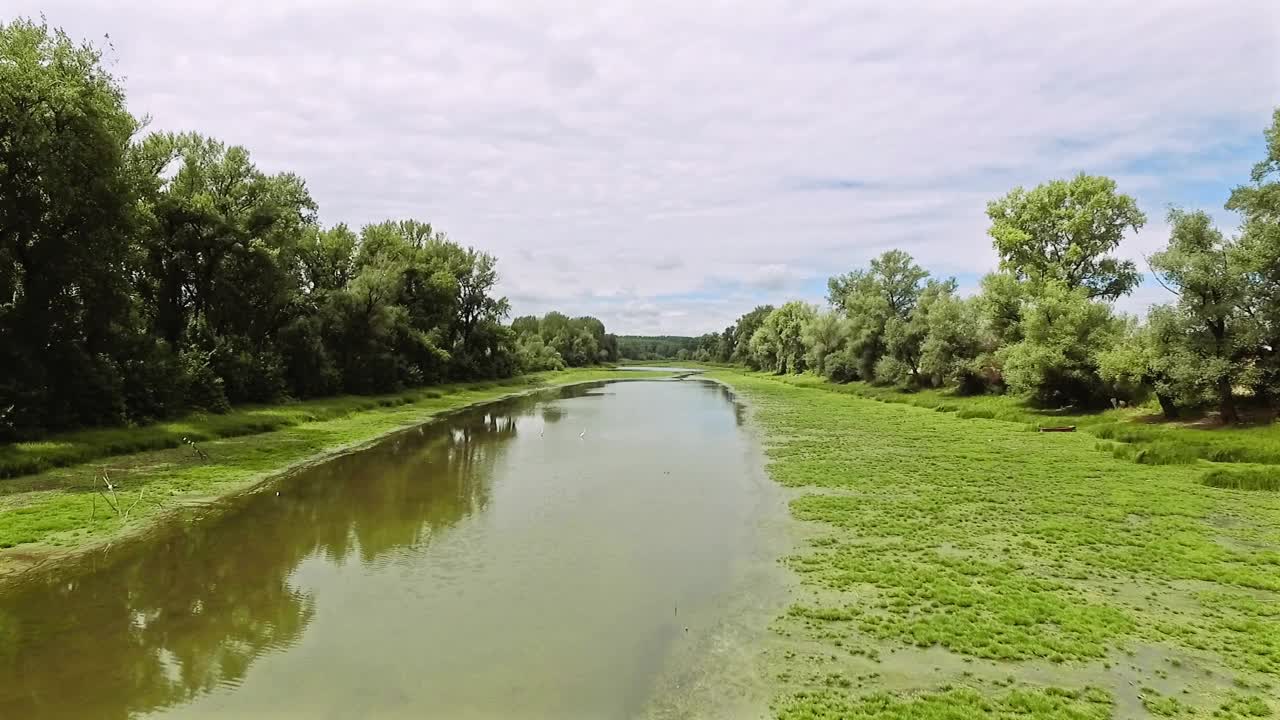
603	551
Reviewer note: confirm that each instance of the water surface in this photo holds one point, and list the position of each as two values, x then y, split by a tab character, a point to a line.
555	556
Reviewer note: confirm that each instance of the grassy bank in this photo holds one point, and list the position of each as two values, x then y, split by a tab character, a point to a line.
155	472
1131	433
959	567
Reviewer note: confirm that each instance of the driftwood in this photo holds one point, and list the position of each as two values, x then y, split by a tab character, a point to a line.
1063	428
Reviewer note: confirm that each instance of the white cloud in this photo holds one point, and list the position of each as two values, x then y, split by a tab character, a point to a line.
656	163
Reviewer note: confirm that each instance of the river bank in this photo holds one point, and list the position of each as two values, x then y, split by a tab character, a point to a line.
66	510
959	566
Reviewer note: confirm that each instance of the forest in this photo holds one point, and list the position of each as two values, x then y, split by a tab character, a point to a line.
143	274
1044	324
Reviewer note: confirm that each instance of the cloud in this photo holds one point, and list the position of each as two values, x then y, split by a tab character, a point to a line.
667	165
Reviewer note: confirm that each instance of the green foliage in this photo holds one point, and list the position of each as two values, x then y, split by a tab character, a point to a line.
66	216
557	341
1043	327
880	302
905	338
1210	337
534	354
652	347
145	276
826	338
1062	231
778	345
954	342
743	331
1129	436
1056	361
1261	478
1258	251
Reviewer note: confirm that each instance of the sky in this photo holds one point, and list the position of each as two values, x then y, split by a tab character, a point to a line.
666	166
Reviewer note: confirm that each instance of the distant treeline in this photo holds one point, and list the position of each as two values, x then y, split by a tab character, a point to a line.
1044	324
146	274
656	347
556	341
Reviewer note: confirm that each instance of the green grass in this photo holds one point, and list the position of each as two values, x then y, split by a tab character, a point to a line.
957	562
70	448
59	508
1261	478
951	704
1149	442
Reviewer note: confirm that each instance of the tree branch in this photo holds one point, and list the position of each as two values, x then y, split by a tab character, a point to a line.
1159	279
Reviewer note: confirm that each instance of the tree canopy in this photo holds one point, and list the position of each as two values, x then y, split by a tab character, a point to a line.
146	274
1063	231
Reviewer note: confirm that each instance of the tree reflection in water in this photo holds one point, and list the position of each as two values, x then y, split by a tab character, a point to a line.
161	621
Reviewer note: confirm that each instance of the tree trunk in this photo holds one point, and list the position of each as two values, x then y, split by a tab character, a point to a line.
1227	403
1167	405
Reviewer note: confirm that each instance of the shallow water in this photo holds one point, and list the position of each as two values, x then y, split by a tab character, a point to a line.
561	555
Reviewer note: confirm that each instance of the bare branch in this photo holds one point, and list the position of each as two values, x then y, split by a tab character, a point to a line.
1159	279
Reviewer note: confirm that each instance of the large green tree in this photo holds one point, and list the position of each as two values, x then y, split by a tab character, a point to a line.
67	211
1214	326
1063	231
873	299
744	330
779	342
1258	255
1056	361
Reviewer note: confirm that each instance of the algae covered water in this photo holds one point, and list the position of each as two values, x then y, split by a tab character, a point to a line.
569	554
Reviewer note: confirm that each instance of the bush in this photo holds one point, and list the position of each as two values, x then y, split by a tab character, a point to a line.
201	386
841	367
891	371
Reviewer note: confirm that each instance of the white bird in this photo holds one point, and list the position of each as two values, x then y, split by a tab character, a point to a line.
583	434
542	431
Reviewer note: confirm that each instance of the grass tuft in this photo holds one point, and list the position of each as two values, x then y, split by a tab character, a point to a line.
1263	478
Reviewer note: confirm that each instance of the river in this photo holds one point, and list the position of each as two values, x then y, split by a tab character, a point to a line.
599	551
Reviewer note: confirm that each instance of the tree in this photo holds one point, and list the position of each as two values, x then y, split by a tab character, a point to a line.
1000	303
327	258
1210	278
872	299
743	331
826	339
1155	356
1258	255
67	210
574	341
1056	361
781	346
764	348
1062	231
905	338
955	341
534	355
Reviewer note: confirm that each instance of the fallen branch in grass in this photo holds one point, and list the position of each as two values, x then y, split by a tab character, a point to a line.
134	505
106	480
